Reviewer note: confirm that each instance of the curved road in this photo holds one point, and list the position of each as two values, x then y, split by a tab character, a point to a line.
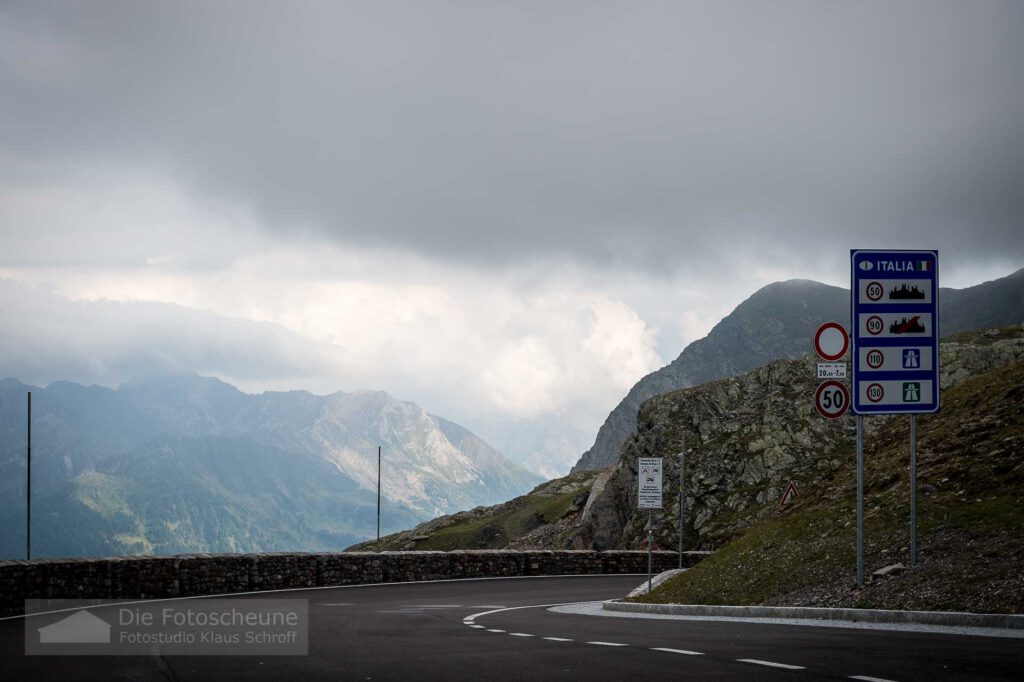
502	630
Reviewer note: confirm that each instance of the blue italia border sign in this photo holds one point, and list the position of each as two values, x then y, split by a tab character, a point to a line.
895	325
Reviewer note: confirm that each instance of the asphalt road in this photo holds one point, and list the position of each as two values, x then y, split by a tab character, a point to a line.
472	630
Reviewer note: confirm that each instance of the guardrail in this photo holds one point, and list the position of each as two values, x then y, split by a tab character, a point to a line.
204	574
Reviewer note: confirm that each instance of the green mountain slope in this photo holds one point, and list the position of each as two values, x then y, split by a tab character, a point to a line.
189	464
970	515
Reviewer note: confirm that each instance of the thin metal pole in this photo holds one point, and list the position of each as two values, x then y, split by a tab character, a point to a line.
913	490
860	501
682	496
28	485
378	498
650	548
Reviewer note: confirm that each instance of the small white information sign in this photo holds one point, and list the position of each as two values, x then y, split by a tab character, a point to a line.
831	370
649	481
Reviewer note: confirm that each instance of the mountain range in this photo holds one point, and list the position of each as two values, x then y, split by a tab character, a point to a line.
191	464
776	322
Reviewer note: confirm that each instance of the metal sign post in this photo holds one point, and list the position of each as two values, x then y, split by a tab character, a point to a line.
378	498
682	496
860	501
895	323
28	485
913	490
648	476
650	549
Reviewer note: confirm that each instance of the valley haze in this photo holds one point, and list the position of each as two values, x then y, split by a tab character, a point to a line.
477	236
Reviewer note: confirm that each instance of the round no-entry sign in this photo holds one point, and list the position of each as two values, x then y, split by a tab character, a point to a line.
832	399
831	341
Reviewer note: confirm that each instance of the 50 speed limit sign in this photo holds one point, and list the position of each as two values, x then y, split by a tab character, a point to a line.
832	399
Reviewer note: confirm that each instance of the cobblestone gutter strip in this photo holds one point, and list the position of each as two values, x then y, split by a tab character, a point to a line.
978	620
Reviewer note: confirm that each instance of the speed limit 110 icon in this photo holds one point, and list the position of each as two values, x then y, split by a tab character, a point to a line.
832	399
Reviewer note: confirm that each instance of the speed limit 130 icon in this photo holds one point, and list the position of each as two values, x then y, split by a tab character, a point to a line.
832	399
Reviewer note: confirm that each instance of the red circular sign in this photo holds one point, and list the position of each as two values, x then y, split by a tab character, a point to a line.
875	358
832	399
874	325
875	392
874	291
831	341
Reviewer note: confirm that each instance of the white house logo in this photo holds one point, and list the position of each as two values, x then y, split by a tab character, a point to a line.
80	627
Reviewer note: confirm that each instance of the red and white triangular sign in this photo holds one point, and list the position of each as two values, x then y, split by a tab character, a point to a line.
789	494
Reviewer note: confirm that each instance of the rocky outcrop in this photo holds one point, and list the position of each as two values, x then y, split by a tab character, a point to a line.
748	437
777	322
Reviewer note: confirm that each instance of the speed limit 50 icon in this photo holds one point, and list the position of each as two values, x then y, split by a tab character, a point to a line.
832	399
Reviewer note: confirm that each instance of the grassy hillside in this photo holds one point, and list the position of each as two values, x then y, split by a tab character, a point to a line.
525	521
970	519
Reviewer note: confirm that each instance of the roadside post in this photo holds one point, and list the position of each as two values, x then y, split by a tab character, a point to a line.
28	484
378	498
682	495
895	357
649	498
832	400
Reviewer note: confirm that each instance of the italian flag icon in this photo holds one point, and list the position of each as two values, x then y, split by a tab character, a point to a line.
924	266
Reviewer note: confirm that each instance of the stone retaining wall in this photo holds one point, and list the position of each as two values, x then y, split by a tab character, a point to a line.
200	574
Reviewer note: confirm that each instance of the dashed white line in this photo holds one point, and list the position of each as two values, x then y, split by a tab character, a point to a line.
520	634
478	627
868	678
558	639
771	664
678	651
494	630
608	643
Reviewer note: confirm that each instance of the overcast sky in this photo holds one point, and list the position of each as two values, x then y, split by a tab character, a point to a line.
499	210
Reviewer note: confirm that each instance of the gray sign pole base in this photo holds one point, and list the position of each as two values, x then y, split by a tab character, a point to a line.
650	549
913	490
860	501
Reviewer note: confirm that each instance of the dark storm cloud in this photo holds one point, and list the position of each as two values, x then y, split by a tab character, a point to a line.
606	132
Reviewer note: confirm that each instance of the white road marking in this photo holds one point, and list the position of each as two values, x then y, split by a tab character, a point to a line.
608	643
558	639
771	664
678	651
520	634
868	678
478	627
517	608
486	606
494	630
431	606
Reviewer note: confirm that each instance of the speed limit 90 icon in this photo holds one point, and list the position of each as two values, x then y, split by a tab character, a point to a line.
832	399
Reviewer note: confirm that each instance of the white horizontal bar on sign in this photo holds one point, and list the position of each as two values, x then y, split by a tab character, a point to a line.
906	392
831	370
895	291
894	359
893	326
